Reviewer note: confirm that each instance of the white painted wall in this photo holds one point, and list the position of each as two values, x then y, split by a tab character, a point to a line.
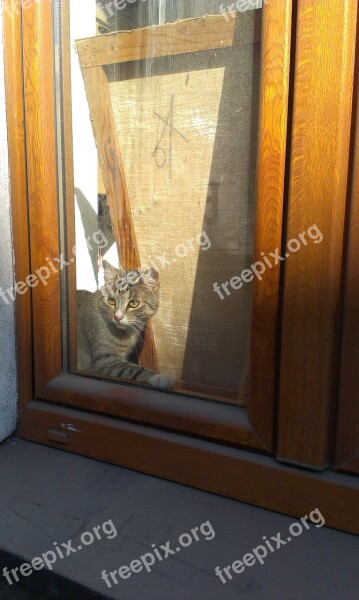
8	377
83	25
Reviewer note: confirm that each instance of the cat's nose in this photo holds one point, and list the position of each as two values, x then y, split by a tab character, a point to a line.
119	317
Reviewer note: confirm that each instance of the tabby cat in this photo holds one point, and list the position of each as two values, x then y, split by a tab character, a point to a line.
111	324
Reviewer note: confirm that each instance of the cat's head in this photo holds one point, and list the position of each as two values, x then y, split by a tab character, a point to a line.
130	297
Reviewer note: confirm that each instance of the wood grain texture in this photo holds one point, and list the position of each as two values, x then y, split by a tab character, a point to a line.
347	443
20	224
42	187
208	420
317	195
111	163
190	35
276	40
226	471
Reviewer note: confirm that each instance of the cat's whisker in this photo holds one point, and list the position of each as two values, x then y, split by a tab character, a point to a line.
139	322
137	330
140	332
141	325
136	326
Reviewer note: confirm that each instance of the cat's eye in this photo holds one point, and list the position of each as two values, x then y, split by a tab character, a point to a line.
111	301
134	304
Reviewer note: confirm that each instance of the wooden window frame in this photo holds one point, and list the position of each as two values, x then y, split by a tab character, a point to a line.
213	421
347	441
317	194
186	440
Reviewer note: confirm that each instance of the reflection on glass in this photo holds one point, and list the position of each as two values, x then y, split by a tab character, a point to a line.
165	168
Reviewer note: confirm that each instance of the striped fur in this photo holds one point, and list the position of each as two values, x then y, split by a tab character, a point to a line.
111	324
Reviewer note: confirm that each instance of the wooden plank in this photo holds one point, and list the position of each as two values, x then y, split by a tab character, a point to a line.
276	44
98	96
317	195
190	35
17	163
218	469
42	187
347	444
101	114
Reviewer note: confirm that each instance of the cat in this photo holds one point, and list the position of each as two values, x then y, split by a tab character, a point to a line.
111	324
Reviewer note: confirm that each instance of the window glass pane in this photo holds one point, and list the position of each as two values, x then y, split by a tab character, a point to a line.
164	136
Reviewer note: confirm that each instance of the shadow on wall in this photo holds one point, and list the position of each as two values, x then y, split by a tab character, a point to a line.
92	222
219	336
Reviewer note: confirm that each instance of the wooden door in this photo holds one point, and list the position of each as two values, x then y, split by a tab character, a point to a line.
190	435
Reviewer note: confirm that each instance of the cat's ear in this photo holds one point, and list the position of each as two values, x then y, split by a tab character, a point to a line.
151	277
111	274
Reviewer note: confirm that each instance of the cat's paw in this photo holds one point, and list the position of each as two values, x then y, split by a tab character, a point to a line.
162	381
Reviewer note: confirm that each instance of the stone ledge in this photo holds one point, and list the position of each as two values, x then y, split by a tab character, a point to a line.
48	495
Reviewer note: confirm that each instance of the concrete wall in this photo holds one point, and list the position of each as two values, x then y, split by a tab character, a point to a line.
8	379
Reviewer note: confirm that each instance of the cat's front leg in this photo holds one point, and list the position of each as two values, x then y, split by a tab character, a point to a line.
115	367
160	381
